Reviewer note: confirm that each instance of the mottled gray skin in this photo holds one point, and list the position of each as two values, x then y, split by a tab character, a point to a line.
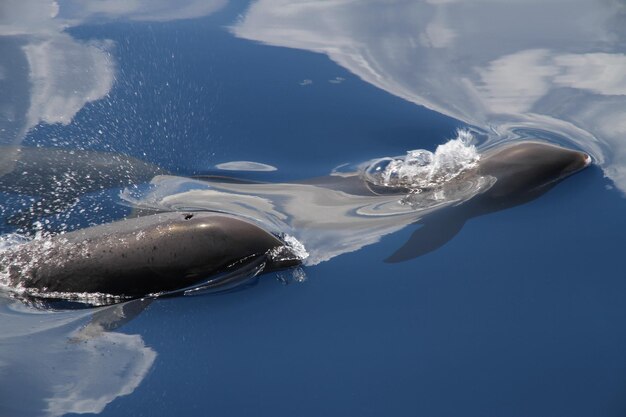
141	256
523	171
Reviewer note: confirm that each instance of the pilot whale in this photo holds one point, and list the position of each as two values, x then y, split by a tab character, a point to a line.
217	246
521	172
56	177
350	209
155	254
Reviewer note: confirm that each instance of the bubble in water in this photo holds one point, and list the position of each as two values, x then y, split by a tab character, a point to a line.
422	169
296	275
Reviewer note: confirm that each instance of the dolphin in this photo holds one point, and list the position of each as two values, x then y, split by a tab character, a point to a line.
159	254
521	172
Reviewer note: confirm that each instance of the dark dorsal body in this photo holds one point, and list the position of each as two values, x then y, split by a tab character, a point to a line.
525	170
522	171
136	257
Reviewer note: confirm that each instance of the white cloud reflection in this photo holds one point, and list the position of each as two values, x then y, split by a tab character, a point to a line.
146	10
598	73
555	65
102	368
329	219
54	363
49	364
65	75
47	76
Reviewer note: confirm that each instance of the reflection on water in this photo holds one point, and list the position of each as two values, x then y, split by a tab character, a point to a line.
47	76
50	75
346	211
550	69
54	363
511	68
327	221
342	212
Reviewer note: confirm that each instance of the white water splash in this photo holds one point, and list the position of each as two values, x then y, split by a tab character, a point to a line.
8	243
421	169
12	239
292	250
296	247
14	269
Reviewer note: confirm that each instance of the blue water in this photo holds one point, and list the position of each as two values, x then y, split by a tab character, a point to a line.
520	314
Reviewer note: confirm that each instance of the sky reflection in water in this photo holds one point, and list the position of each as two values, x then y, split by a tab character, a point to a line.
505	67
510	69
54	363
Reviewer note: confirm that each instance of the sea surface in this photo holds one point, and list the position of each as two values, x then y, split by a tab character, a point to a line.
521	313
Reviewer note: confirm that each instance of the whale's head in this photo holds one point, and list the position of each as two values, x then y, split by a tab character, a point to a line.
529	166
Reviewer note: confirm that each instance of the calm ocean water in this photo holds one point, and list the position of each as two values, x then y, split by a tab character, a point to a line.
519	314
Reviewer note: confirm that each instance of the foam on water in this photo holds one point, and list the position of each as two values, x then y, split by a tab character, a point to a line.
12	239
421	169
296	247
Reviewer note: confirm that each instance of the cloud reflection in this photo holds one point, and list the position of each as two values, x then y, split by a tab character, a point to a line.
64	76
502	66
54	363
330	216
142	10
47	76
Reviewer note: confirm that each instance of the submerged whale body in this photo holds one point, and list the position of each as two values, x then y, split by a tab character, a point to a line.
174	252
55	177
154	254
520	172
